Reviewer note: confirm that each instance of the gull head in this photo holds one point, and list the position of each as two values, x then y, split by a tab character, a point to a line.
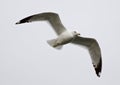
75	33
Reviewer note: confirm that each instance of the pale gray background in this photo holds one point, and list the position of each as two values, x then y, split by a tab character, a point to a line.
26	58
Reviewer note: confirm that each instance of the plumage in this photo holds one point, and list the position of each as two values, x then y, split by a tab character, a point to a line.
65	37
94	50
52	18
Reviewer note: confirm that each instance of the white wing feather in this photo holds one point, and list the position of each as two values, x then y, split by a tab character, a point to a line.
52	18
94	51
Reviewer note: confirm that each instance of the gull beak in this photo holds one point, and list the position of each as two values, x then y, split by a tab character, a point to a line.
78	34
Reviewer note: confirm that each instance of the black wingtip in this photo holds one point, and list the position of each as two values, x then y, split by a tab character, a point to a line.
25	20
17	23
99	68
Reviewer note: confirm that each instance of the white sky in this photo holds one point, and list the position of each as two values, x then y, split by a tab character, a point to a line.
26	58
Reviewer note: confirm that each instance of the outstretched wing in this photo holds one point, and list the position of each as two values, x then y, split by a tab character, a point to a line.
53	19
94	51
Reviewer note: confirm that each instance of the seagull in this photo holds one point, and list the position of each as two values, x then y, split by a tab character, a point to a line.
65	37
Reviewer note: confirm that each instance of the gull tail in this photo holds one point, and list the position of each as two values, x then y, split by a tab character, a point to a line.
53	44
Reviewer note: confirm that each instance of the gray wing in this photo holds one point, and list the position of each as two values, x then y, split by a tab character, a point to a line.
94	51
52	18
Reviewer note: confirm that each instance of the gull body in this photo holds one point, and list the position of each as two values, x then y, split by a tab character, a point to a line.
65	37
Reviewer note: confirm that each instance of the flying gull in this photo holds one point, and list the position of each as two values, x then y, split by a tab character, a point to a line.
65	37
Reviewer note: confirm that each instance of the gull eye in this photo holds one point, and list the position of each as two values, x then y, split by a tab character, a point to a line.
75	32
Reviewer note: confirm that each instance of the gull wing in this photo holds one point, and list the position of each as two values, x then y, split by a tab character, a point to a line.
94	51
52	18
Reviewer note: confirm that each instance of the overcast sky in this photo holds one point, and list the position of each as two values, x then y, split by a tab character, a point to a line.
26	58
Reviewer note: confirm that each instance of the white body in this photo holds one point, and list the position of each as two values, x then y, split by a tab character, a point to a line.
64	38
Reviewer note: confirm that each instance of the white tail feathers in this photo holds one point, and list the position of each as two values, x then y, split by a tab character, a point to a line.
53	44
